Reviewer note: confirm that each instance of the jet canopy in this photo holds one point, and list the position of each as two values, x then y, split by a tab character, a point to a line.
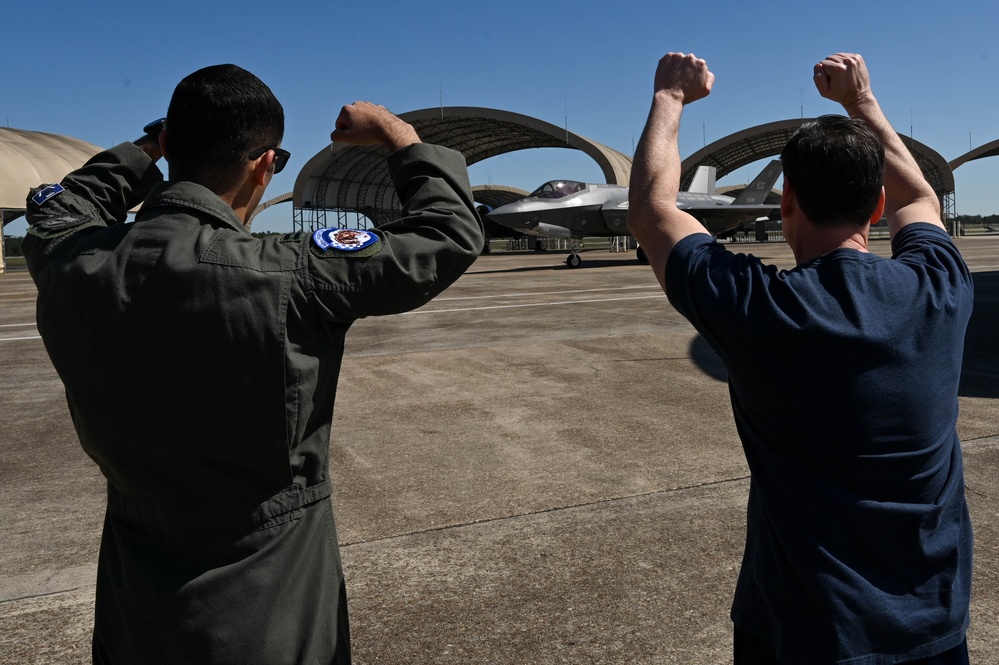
557	189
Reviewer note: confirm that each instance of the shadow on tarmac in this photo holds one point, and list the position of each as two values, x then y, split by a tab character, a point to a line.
707	360
980	371
558	264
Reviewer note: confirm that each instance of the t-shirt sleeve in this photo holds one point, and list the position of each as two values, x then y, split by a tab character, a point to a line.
929	250
711	287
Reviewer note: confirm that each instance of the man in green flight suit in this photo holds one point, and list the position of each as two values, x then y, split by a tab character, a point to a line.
200	366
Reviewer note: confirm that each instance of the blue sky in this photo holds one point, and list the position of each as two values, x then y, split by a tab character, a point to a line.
99	71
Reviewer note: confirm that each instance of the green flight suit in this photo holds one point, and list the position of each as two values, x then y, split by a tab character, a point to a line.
200	366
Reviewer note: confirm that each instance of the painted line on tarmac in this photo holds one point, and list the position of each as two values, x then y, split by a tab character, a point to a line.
534	304
550	293
659	295
17	325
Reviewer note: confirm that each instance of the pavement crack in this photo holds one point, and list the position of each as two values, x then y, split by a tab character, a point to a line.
986	438
32	596
543	511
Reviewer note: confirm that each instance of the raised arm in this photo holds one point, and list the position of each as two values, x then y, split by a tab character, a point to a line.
844	78
411	259
653	217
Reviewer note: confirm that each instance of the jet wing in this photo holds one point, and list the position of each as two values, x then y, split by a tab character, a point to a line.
723	220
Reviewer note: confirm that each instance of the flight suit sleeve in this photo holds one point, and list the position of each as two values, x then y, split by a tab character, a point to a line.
99	193
412	259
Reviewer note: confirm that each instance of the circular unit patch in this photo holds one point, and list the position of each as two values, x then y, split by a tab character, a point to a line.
345	240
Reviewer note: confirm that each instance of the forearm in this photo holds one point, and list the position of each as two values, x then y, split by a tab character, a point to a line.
100	193
908	196
150	145
107	186
653	217
433	187
655	174
438	225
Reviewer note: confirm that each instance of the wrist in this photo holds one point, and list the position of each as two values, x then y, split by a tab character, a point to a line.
399	136
154	128
150	146
862	106
668	96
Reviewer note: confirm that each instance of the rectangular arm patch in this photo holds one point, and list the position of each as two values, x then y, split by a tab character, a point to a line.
43	195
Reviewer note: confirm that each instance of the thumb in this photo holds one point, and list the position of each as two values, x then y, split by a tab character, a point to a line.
821	79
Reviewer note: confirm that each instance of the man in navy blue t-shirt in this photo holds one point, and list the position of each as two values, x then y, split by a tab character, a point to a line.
843	375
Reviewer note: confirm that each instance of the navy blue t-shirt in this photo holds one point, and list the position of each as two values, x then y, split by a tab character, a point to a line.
843	374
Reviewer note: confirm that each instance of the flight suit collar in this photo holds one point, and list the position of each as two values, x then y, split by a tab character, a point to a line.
188	194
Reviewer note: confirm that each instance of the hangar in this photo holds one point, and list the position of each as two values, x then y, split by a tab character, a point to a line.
344	179
754	143
354	179
28	159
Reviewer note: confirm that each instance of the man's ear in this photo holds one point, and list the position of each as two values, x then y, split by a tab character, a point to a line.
161	139
787	201
261	167
879	210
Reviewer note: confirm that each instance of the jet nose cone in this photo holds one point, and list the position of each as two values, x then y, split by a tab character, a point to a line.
505	218
502	220
507	208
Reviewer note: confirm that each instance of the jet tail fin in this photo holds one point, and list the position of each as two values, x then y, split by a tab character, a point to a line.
756	192
704	180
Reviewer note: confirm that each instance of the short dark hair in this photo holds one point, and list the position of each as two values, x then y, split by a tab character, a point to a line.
836	166
219	115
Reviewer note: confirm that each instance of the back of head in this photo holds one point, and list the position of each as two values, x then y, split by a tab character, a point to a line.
217	117
836	167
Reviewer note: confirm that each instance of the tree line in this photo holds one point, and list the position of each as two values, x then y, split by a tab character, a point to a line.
12	244
979	220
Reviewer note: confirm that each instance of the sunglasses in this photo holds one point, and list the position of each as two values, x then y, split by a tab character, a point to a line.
281	157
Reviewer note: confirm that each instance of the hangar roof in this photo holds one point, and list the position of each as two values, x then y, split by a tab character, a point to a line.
754	143
282	198
982	151
28	159
356	178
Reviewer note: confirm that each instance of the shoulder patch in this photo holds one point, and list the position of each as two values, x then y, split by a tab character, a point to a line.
46	193
344	243
344	240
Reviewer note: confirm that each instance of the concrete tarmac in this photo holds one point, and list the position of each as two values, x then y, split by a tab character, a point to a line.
540	466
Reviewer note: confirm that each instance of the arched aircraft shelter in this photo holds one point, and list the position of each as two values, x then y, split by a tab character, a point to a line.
347	178
28	159
981	152
768	140
344	178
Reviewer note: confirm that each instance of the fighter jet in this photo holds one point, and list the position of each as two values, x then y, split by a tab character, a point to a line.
574	210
